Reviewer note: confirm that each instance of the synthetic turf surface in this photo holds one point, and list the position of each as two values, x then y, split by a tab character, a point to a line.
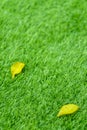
50	37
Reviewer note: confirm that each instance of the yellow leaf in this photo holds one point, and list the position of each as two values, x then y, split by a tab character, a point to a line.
68	109
16	68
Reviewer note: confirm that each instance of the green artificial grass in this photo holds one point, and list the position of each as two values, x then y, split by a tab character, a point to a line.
50	37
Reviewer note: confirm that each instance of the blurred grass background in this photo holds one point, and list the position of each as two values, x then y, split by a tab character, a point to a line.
50	37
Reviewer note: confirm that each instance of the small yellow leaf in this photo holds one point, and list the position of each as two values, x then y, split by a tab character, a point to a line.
68	109
16	68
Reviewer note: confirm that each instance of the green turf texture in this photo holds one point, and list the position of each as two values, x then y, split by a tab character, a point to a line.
50	37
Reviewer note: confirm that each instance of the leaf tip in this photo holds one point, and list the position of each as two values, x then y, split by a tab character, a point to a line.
13	76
